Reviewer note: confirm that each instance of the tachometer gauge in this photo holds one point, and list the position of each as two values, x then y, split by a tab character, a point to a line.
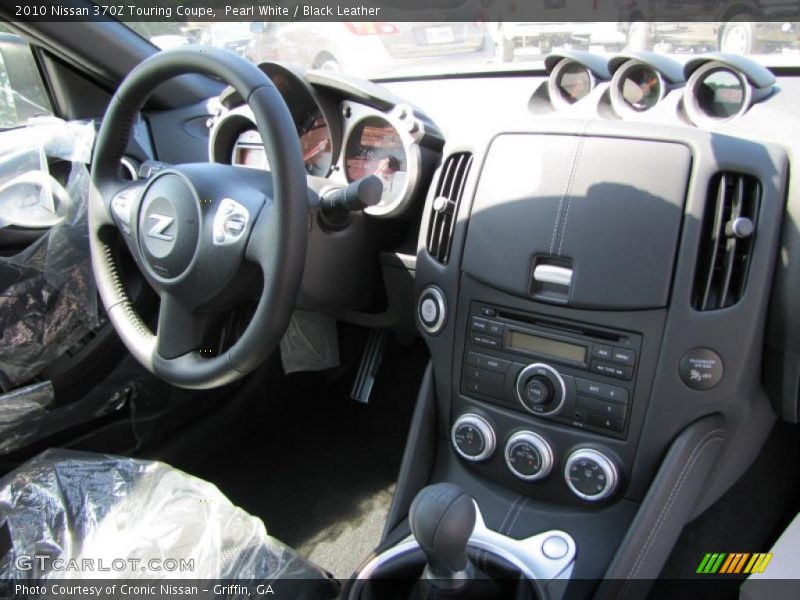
376	148
315	141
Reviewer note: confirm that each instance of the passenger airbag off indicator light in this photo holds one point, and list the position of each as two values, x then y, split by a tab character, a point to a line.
701	369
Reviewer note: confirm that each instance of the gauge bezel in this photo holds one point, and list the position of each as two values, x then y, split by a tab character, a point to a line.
691	103
410	130
233	122
540	444
621	106
556	97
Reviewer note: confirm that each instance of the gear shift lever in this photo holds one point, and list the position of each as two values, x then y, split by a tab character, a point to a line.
442	518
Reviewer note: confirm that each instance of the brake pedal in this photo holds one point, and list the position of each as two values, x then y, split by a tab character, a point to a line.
368	368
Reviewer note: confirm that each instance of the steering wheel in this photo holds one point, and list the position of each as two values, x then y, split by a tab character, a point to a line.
200	232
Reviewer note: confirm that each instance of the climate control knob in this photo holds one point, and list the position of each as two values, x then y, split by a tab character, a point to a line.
540	389
591	475
529	456
473	438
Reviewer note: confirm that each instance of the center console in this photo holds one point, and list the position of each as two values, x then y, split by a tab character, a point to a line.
595	326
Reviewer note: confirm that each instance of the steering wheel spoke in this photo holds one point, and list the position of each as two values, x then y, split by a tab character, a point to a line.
180	329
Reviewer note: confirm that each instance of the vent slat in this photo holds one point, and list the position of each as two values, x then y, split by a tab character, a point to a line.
727	241
444	212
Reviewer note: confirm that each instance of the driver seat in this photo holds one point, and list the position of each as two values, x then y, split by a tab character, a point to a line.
155	520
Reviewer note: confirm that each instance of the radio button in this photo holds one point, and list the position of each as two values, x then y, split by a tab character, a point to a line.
496	328
479	324
602	351
485	340
601	390
606	409
595	420
488	363
485	376
539	391
624	356
611	370
488	311
485	388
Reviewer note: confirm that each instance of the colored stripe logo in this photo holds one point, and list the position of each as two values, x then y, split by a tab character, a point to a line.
733	563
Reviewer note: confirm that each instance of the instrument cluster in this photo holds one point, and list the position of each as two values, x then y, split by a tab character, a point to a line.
342	140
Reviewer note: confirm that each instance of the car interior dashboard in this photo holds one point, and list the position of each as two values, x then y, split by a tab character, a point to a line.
599	257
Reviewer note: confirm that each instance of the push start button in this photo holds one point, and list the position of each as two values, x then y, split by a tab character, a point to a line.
431	310
701	369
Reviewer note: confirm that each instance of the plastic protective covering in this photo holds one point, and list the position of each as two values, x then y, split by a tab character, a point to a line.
48	299
72	505
18	408
310	343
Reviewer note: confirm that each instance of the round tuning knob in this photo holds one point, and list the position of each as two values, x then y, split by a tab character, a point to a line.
529	456
591	475
473	438
540	389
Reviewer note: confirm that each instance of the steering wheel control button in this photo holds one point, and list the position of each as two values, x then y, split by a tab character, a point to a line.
529	456
701	369
169	225
122	206
230	222
540	389
591	475
431	310
555	547
473	438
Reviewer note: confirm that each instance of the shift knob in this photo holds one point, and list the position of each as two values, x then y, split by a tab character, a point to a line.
442	518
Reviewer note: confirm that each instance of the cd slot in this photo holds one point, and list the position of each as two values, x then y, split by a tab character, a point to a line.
559	326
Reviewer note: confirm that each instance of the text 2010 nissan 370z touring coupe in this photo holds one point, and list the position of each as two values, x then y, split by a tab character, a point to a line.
469	328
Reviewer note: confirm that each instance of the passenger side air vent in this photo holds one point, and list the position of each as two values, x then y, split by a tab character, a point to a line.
726	247
449	190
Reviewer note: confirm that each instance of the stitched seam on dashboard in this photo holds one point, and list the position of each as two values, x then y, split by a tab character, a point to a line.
508	514
570	187
676	488
519	511
554	236
573	175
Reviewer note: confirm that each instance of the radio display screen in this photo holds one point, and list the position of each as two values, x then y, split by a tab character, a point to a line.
539	345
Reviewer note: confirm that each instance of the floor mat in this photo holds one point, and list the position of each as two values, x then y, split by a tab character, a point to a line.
321	473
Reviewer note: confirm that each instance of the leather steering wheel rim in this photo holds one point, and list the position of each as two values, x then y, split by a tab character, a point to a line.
275	238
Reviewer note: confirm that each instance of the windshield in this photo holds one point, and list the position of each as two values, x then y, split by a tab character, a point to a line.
385	49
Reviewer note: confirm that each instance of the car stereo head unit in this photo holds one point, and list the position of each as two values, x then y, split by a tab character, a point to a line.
573	373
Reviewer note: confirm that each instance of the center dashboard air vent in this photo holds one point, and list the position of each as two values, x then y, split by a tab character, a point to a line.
449	190
726	247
